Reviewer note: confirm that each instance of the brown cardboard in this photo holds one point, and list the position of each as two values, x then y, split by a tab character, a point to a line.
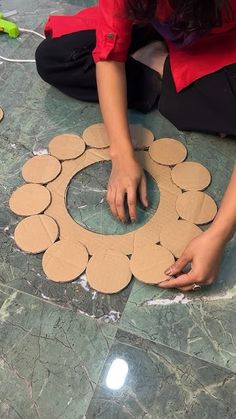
141	137
65	260
168	151
196	207
125	243
96	136
191	176
177	235
148	263
30	199
36	233
66	146
41	169
1	114
109	271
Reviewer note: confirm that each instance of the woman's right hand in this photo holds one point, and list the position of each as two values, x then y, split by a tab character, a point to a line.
126	181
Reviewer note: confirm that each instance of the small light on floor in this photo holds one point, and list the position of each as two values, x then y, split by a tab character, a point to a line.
117	374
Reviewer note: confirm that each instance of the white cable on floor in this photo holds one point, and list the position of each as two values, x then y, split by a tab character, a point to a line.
15	60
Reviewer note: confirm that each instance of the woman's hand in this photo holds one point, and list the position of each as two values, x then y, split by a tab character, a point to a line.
126	181
204	253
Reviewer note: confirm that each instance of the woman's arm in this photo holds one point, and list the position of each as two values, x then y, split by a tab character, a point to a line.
127	177
205	252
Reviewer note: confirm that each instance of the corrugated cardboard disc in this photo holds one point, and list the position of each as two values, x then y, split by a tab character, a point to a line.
30	199
66	146
36	233
148	263
41	169
168	151
191	176
65	260
177	235
1	114
196	207
96	136
108	271
141	137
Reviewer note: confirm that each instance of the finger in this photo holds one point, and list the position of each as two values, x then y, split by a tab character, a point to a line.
111	196
143	191
120	205
182	281
178	266
132	201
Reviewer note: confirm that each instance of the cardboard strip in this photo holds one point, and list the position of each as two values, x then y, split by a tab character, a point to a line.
30	199
41	169
65	260
148	263
36	233
109	271
66	146
1	114
176	235
168	151
196	207
191	176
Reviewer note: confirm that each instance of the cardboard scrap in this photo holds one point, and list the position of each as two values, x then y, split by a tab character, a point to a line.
41	169
66	146
148	263
191	176
65	260
168	151
30	199
36	233
96	136
1	114
196	207
177	235
108	271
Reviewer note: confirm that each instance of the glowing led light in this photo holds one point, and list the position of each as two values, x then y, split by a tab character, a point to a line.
117	374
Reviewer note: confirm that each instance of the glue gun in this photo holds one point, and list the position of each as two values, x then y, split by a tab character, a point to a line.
8	27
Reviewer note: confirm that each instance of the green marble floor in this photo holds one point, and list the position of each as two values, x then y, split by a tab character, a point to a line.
67	351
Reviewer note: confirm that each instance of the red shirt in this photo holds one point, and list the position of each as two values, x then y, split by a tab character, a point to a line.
208	54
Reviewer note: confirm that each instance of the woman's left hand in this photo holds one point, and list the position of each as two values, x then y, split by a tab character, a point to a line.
204	253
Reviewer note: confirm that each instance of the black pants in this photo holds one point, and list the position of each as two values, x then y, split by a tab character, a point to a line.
208	105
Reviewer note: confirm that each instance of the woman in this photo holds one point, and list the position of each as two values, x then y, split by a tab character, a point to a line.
179	55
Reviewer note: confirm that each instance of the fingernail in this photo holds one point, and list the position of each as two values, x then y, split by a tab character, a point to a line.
133	220
168	271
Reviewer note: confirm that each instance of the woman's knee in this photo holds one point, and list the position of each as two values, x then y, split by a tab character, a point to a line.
43	60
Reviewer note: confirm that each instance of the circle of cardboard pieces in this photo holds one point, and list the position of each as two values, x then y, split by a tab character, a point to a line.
177	235
191	176
41	169
66	146
109	269
112	274
149	263
36	233
1	114
196	207
64	261
30	199
168	151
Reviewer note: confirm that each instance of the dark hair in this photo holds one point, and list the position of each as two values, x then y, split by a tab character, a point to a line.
188	15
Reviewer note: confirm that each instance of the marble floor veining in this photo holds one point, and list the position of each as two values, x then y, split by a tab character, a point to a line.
67	351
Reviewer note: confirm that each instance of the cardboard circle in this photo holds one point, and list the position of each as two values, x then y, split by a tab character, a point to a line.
64	261
30	199
1	114
66	146
148	263
108	271
96	136
196	207
177	235
141	137
191	176
168	151
36	233
41	169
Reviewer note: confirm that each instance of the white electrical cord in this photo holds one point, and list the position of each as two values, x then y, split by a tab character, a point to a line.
15	60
